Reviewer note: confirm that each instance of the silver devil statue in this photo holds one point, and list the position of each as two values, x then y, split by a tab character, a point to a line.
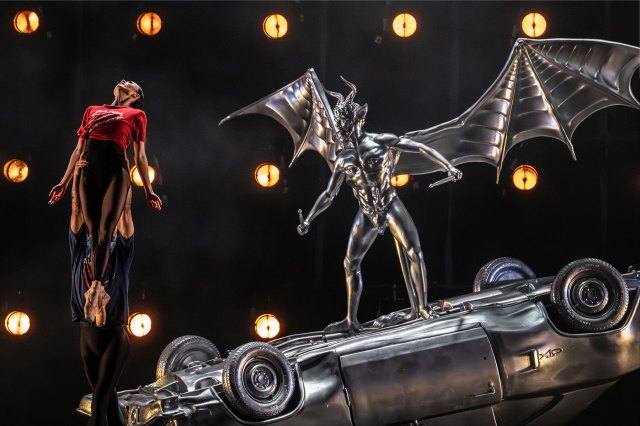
547	88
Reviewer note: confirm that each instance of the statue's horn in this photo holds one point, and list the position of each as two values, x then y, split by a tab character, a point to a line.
336	95
353	88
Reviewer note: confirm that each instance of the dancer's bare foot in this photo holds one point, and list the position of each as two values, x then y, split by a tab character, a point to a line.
345	326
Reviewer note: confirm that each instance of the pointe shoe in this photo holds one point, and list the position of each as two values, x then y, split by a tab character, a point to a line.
101	314
91	299
89	312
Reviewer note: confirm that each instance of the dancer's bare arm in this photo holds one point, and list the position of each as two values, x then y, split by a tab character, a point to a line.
57	192
143	168
77	219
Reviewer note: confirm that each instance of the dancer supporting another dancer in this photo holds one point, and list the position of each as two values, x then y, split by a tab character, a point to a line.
103	350
104	135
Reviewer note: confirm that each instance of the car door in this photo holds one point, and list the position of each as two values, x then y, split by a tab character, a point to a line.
402	381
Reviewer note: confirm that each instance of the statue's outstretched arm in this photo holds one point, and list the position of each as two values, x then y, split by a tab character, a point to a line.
324	200
408	145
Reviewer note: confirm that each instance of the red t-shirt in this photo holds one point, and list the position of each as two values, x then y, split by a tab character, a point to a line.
120	124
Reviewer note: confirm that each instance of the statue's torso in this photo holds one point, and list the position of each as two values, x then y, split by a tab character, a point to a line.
368	170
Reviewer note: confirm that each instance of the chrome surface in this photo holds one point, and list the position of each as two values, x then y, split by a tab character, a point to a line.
303	109
404	381
547	88
496	356
591	296
365	161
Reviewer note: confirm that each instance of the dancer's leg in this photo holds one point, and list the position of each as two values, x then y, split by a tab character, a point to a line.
111	209
112	363
91	195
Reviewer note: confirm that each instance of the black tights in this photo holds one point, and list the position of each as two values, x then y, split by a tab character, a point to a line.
104	351
103	191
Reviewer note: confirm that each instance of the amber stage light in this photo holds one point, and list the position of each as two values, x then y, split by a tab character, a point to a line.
149	23
135	175
404	25
17	323
267	326
274	26
400	180
267	175
534	25
139	324
525	177
16	171
26	22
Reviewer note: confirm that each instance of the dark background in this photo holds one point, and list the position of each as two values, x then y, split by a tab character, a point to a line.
224	250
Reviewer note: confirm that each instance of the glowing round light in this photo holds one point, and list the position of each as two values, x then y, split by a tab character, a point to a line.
149	23
267	175
404	25
274	26
26	22
135	175
267	326
16	171
139	324
525	177
400	180
17	323
534	25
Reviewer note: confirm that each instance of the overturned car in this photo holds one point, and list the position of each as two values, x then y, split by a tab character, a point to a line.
518	350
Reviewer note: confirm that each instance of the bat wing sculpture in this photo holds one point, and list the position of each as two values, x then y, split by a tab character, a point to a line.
547	88
303	109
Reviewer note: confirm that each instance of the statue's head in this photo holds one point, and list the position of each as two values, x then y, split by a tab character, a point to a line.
348	115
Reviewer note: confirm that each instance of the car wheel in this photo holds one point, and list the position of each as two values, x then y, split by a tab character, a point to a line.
182	351
258	380
499	271
590	295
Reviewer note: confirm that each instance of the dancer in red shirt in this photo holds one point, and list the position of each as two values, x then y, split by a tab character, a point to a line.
104	135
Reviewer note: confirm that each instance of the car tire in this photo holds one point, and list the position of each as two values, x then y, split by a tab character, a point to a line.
590	295
184	350
258	380
499	271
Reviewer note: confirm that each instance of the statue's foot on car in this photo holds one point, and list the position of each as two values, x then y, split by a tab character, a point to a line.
428	313
344	326
393	319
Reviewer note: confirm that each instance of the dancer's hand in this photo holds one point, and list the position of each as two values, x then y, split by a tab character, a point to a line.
80	164
56	193
154	201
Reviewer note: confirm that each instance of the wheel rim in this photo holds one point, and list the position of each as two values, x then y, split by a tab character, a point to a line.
590	296
261	379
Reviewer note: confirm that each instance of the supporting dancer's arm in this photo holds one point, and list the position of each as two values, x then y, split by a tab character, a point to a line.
125	224
76	210
143	168
57	192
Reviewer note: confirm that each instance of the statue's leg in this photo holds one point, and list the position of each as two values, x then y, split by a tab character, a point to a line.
402	316
406	274
362	236
404	231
